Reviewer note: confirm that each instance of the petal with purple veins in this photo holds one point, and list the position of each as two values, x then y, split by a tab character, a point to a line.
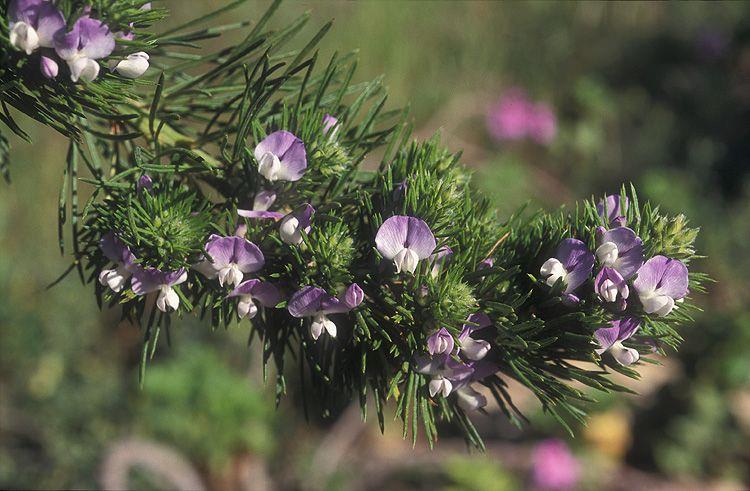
306	301
247	255
419	238
391	236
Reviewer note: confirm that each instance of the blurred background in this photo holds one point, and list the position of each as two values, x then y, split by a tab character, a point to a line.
551	103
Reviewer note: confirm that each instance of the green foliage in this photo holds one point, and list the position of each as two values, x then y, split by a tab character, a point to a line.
168	226
195	402
477	474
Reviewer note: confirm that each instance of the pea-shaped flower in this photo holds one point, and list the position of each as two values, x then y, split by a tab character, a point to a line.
572	264
440	342
261	203
251	291
151	280
611	338
405	241
474	349
446	373
88	41
660	282
120	255
292	224
611	287
318	304
230	259
281	156
133	66
33	24
620	249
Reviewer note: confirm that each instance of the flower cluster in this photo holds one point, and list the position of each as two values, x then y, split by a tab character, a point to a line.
659	282
38	25
396	282
281	156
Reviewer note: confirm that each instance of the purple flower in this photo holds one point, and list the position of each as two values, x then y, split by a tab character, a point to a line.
611	287
262	202
611	338
251	290
144	182
230	258
542	125
661	281
612	209
133	66
620	249
405	240
469	399
440	342
446	372
281	156
330	126
88	41
474	349
33	24
318	304
291	225
508	119
439	259
515	117
120	254
572	264
150	280
555	468
486	263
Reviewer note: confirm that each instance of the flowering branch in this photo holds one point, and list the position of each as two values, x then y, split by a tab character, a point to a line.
237	195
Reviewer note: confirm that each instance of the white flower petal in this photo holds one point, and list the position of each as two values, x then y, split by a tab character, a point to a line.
24	37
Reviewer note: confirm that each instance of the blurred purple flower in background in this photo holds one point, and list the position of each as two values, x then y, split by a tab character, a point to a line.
515	117
555	466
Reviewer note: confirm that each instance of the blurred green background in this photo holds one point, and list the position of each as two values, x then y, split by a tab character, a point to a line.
656	94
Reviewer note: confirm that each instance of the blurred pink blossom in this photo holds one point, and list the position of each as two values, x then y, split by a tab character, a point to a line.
555	467
515	117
